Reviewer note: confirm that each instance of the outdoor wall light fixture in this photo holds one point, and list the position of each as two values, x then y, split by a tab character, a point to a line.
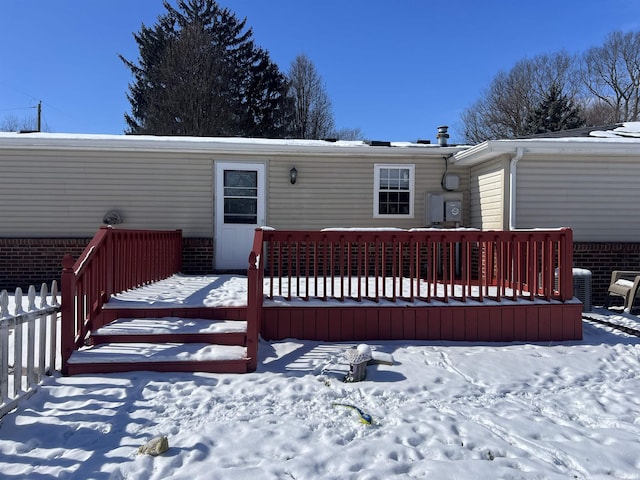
293	175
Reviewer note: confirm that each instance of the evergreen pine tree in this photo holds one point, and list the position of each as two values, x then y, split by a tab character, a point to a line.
199	73
554	114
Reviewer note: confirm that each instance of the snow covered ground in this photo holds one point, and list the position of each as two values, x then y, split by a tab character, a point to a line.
444	410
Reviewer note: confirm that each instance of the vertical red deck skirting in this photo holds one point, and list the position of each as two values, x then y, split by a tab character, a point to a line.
536	322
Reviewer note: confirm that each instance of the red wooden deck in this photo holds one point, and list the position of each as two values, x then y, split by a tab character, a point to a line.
456	285
345	285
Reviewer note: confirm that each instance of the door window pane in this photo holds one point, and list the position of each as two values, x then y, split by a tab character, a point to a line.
241	178
240	196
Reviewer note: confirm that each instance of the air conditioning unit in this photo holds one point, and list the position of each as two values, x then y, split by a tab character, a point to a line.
581	287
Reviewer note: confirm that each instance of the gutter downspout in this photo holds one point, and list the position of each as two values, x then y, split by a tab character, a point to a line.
512	186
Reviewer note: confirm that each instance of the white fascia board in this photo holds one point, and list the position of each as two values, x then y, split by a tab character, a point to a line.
482	152
585	146
218	145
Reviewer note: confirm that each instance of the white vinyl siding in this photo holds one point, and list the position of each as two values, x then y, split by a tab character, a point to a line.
66	194
597	197
338	192
64	191
488	196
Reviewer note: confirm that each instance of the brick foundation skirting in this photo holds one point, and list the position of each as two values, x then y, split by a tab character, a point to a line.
33	261
197	256
601	259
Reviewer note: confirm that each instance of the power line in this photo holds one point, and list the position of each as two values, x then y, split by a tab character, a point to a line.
38	114
16	108
10	87
38	106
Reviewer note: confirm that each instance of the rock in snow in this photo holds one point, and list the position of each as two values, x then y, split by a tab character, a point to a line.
154	447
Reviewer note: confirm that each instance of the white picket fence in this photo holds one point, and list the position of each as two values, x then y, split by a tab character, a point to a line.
29	342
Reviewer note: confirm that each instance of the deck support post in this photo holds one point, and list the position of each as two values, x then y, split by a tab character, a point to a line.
255	289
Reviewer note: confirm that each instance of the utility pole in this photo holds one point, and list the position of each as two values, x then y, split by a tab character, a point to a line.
39	116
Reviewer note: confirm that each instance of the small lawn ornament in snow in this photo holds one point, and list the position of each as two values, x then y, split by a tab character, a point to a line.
358	358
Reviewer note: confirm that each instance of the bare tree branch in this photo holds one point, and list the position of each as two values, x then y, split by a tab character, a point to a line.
611	73
503	109
313	113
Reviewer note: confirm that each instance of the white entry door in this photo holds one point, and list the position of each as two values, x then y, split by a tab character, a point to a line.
239	210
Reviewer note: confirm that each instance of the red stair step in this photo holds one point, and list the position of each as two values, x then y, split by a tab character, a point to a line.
172	329
160	357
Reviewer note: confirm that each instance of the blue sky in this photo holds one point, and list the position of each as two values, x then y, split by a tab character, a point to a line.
395	69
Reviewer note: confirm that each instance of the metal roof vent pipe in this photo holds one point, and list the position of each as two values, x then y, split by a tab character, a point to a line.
442	135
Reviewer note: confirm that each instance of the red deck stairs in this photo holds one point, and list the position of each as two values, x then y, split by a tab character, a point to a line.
157	340
101	338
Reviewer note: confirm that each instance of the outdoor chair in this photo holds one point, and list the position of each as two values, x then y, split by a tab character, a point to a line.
625	284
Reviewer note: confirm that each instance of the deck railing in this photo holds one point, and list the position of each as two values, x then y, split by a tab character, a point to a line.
114	261
414	265
28	342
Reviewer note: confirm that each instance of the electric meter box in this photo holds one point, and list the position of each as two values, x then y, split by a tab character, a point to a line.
434	208
453	211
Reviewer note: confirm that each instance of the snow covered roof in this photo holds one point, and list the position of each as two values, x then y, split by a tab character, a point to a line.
622	140
217	144
625	130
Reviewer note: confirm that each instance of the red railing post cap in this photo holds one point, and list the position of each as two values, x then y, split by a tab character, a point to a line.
67	262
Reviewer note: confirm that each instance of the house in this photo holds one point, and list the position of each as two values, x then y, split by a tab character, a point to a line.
212	193
56	190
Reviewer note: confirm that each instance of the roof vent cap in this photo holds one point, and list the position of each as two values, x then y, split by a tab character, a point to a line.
442	135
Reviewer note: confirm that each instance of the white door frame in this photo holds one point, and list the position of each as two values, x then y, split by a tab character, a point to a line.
233	241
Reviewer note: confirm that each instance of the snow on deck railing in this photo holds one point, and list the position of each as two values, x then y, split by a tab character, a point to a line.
28	342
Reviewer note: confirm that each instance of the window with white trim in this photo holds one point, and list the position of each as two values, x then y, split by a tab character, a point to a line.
393	191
